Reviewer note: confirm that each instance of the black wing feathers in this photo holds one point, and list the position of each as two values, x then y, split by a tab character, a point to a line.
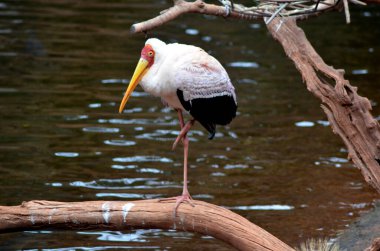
210	112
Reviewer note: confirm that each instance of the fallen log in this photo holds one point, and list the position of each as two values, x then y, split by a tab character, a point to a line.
203	218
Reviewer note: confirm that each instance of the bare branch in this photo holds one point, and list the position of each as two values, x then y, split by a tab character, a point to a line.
181	7
269	8
204	218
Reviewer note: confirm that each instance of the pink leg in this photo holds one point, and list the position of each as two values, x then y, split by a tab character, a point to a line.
183	133
185	197
180	118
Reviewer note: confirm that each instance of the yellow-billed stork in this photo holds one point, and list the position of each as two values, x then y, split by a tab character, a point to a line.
187	79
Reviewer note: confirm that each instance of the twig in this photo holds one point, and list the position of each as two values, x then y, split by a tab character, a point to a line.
276	13
346	11
358	2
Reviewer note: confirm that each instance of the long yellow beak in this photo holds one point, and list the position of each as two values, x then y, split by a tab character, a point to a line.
141	69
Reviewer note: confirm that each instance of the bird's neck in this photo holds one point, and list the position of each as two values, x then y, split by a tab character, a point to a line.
157	81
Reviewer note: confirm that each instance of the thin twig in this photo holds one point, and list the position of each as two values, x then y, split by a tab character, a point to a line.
276	13
346	11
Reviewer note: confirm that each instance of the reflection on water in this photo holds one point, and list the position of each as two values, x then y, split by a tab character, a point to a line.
65	66
262	207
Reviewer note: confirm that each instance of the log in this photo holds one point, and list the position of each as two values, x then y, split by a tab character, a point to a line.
348	112
203	218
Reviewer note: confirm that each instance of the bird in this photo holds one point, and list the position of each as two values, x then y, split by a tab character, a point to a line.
189	80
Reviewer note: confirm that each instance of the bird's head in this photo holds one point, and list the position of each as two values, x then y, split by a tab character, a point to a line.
148	55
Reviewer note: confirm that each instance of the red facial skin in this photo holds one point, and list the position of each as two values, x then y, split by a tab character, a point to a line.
147	53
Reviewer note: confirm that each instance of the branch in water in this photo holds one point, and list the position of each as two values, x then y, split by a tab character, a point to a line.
204	218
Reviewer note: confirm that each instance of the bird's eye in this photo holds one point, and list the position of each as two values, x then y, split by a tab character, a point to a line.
150	53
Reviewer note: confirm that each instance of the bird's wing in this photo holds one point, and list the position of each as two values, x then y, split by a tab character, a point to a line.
202	76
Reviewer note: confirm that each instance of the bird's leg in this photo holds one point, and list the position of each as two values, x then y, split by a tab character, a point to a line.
183	133
185	197
182	124
180	118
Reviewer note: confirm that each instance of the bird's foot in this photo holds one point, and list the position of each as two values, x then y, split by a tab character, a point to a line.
184	198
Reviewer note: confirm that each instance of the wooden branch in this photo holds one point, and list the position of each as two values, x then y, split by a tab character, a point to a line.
239	12
203	218
375	246
348	113
181	7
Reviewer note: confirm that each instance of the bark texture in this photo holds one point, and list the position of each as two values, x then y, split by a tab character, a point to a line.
375	245
203	218
348	112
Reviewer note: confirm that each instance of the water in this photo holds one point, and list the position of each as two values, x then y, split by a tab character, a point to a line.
64	68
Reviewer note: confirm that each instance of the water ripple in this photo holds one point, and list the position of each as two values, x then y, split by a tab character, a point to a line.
113	184
66	154
101	129
335	161
54	184
146	158
360	71
75	117
95	248
129	195
115	81
149	170
168	135
323	122
118	236
192	32
119	142
121	167
262	207
304	124
247	81
133	110
127	121
243	64
235	166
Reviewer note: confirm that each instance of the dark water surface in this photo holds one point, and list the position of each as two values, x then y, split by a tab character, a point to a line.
64	68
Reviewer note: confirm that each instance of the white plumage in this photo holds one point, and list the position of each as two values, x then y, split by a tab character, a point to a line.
188	68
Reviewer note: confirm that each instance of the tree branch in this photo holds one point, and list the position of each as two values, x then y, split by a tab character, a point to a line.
204	218
266	10
181	7
348	113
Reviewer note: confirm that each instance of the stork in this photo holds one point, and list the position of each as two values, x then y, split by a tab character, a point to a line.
187	79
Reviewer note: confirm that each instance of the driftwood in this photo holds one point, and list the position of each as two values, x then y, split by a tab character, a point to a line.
204	218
